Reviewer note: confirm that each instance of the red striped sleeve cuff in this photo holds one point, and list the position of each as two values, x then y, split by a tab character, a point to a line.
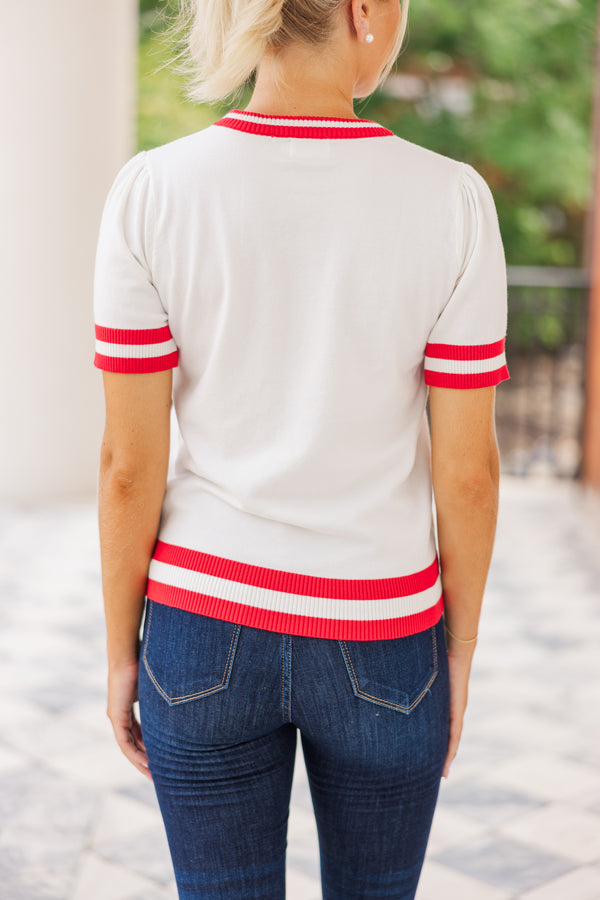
465	365
135	349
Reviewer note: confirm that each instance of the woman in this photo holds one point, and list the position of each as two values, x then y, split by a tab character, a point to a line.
297	279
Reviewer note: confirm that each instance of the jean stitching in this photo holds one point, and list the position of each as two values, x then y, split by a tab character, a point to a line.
389	703
290	683
282	679
150	607
229	660
185	697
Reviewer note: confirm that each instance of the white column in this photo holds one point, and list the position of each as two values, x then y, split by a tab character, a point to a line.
68	76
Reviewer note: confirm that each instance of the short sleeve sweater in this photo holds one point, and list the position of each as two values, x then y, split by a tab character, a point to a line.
306	278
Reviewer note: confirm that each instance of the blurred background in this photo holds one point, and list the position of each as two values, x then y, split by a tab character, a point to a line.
512	89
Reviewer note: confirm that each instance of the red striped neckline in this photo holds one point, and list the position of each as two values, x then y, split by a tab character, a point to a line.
301	126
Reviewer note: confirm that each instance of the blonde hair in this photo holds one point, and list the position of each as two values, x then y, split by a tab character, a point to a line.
224	40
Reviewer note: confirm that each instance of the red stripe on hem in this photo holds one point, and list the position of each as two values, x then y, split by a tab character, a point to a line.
290	623
137	364
133	335
294	582
465	351
464	380
304	131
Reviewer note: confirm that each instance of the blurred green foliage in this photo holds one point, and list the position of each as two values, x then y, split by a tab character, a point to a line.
523	75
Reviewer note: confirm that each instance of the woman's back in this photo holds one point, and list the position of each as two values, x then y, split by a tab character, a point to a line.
307	279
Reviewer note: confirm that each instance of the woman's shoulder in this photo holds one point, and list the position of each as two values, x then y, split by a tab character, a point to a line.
424	158
177	150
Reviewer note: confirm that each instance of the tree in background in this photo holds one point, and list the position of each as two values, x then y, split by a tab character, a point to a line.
505	86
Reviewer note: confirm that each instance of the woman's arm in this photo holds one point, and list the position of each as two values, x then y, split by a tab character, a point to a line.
465	475
134	462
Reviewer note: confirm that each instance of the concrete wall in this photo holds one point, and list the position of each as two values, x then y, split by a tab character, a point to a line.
68	75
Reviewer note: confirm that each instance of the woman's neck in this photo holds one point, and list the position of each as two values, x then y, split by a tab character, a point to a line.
309	90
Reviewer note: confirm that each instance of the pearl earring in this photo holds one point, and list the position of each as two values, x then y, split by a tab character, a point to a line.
368	37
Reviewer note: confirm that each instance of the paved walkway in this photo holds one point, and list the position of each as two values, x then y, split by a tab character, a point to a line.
517	819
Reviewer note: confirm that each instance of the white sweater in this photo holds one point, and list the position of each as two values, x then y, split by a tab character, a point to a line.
306	279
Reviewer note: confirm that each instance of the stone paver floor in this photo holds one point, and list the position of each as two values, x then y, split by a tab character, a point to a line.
518	818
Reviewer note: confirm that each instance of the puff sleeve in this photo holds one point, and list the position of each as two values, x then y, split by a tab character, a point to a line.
466	346
131	324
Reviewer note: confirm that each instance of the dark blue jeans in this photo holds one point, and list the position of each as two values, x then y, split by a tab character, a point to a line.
220	705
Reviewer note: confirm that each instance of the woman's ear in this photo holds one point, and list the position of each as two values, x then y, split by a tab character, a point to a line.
360	12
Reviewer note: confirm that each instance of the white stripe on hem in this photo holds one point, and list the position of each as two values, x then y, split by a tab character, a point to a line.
296	604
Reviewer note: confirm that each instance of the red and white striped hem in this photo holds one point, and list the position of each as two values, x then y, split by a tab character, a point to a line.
292	603
465	365
135	349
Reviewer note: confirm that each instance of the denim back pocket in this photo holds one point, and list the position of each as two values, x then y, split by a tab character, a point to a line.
396	673
187	655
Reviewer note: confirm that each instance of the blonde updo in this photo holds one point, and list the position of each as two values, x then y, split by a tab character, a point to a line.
224	40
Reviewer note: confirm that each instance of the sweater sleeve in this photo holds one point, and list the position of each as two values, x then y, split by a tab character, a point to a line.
465	348
131	324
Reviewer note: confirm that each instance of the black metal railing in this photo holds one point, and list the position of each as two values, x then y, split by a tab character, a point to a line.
539	411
